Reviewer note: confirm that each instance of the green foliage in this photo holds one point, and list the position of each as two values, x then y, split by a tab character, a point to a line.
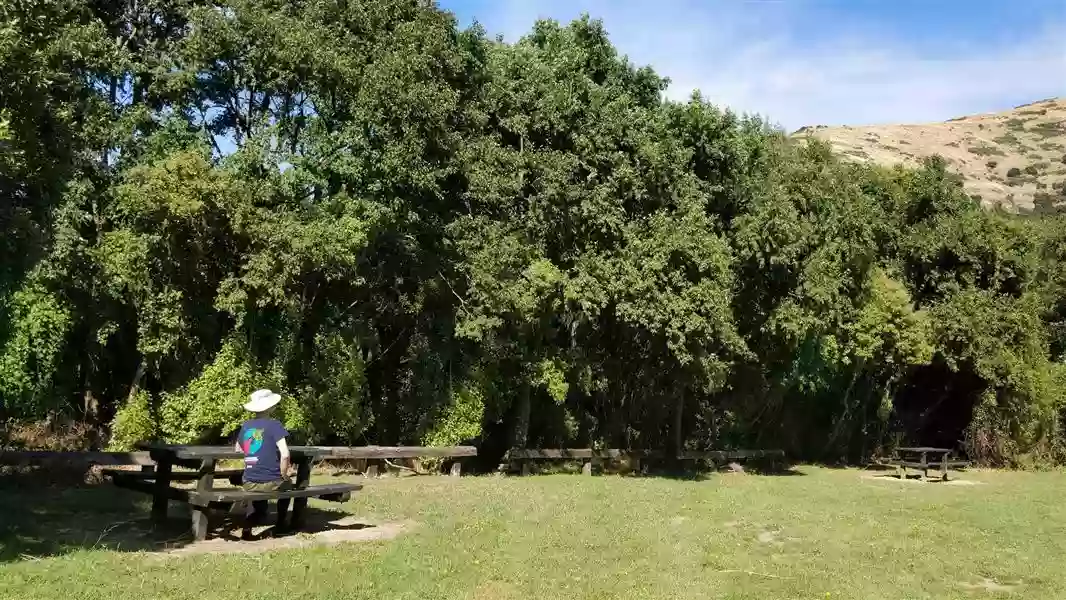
212	404
551	374
460	421
30	357
133	422
887	330
366	207
334	399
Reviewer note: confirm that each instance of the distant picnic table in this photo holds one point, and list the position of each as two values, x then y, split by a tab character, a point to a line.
924	458
156	480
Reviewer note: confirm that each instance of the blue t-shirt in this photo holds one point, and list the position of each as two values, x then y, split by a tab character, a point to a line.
258	439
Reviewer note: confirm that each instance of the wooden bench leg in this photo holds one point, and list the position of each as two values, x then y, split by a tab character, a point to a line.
371	471
525	468
162	491
283	512
901	471
303	477
586	469
456	469
199	522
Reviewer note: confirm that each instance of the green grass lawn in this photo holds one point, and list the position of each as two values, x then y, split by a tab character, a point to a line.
821	533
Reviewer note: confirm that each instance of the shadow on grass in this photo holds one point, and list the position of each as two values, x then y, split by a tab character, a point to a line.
50	512
45	513
315	521
688	473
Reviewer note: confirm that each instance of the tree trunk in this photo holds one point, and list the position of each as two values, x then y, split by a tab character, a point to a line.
520	434
679	412
135	386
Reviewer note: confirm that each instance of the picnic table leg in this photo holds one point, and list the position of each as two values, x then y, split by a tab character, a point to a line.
586	469
200	514
303	477
925	467
199	522
162	490
944	468
456	469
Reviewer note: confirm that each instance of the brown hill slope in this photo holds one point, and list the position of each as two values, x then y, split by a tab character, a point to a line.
1015	159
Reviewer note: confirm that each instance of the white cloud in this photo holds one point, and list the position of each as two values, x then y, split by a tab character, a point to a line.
754	57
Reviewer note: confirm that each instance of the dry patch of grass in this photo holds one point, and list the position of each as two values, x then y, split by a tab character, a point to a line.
1015	139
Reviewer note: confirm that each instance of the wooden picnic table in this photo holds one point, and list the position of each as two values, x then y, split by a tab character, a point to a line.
157	482
924	458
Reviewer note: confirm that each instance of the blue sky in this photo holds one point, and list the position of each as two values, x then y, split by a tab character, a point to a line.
826	62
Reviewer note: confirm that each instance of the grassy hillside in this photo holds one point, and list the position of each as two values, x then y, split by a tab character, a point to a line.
1015	159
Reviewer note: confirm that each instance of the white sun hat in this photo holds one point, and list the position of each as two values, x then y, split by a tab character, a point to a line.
261	400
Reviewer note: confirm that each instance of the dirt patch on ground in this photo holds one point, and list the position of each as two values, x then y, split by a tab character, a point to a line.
959	482
343	530
991	585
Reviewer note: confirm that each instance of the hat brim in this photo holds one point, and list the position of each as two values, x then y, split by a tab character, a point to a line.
261	404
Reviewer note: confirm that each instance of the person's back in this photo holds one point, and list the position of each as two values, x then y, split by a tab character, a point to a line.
258	440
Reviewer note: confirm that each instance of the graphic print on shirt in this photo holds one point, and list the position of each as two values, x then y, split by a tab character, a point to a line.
251	442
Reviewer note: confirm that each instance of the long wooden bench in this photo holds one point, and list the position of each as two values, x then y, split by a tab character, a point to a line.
384	453
588	456
333	492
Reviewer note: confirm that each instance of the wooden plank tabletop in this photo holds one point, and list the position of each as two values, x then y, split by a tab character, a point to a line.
183	452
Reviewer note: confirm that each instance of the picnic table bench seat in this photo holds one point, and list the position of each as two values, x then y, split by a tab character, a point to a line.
333	492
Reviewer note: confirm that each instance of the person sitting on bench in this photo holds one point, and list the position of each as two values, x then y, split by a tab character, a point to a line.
266	455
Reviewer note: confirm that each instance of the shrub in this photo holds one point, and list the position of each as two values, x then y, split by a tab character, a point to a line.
54	433
460	421
1006	139
1033	169
1014	172
985	150
992	164
211	407
133	423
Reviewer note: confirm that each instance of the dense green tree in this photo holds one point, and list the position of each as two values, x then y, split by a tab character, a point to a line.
419	234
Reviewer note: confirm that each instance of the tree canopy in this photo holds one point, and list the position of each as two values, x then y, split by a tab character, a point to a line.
419	234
